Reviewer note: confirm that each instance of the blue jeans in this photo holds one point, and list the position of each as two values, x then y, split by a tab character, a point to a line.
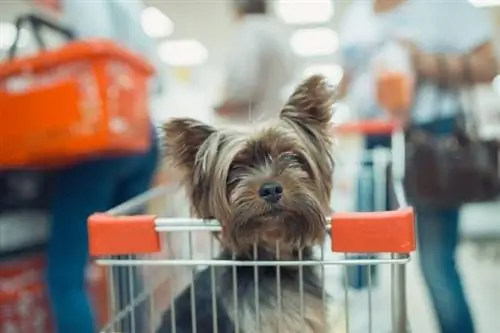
80	190
438	237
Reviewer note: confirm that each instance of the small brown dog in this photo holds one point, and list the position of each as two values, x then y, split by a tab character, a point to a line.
270	190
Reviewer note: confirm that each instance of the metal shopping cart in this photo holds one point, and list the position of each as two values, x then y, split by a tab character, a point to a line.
150	259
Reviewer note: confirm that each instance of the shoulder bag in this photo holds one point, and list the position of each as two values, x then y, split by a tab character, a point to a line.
451	170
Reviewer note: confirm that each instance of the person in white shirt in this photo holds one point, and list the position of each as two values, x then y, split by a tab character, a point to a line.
433	31
259	68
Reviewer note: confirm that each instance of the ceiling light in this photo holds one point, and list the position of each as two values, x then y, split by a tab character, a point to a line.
485	3
8	36
155	23
332	72
186	52
304	12
314	42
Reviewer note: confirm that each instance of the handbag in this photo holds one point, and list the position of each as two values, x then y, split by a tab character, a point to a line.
61	106
447	171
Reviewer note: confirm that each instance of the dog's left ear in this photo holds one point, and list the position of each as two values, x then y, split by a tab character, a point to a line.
311	103
183	139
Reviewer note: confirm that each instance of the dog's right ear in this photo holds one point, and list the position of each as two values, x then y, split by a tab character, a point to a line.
311	103
183	139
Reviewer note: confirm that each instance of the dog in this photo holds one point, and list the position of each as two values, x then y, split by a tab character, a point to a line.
270	191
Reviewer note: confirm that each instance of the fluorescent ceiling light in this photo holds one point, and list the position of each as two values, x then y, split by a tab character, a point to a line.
8	36
332	72
314	42
155	23
304	11
485	3
186	52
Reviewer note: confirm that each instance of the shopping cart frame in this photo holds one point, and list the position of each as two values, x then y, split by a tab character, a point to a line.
113	233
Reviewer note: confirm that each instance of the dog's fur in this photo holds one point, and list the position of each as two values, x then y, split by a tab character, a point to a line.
223	171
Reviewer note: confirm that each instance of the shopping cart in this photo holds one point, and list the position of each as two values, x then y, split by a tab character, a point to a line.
150	259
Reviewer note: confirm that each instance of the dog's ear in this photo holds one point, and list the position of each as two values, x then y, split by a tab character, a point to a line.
311	103
183	139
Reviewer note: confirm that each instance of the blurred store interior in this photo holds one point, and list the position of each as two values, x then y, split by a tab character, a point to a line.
192	41
193	55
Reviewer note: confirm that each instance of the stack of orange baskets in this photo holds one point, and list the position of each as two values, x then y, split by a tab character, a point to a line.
60	106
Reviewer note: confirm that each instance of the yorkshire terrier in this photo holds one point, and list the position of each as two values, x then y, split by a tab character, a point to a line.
270	190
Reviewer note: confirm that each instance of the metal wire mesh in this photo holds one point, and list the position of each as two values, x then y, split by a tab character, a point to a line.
142	309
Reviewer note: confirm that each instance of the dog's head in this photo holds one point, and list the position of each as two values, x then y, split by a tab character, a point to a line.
271	185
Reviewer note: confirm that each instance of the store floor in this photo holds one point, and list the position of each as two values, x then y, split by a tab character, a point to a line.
482	282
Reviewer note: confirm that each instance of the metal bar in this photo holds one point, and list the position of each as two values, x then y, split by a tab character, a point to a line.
173	319
131	291
323	294
278	287
112	295
370	302
398	298
193	224
235	295
346	294
213	289
398	272
193	289
405	258
138	202
301	292
256	288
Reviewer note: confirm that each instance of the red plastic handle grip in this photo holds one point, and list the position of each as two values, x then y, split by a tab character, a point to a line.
377	232
111	235
366	127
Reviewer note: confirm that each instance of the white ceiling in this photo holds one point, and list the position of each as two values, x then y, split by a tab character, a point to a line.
207	21
210	22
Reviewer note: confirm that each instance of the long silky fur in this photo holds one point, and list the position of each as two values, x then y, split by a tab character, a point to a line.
222	171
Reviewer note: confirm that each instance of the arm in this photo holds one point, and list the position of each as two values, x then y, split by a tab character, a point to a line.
481	62
467	31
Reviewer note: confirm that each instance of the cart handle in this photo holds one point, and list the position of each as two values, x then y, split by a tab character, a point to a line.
373	127
374	232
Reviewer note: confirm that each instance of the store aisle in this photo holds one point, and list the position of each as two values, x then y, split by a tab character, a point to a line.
482	282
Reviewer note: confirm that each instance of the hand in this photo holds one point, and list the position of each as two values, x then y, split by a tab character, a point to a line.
440	68
428	65
412	48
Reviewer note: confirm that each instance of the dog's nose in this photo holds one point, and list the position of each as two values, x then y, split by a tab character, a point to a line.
271	192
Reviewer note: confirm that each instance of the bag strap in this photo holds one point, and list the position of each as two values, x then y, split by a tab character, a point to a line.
463	115
471	97
38	22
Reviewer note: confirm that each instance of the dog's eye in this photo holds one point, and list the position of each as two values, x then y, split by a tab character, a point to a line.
235	172
290	157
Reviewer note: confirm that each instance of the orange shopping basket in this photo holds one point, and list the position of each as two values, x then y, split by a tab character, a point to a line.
83	99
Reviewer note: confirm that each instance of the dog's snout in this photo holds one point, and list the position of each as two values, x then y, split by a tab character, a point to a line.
271	191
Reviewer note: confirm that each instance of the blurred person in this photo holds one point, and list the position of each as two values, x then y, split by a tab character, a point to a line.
94	185
433	32
260	65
